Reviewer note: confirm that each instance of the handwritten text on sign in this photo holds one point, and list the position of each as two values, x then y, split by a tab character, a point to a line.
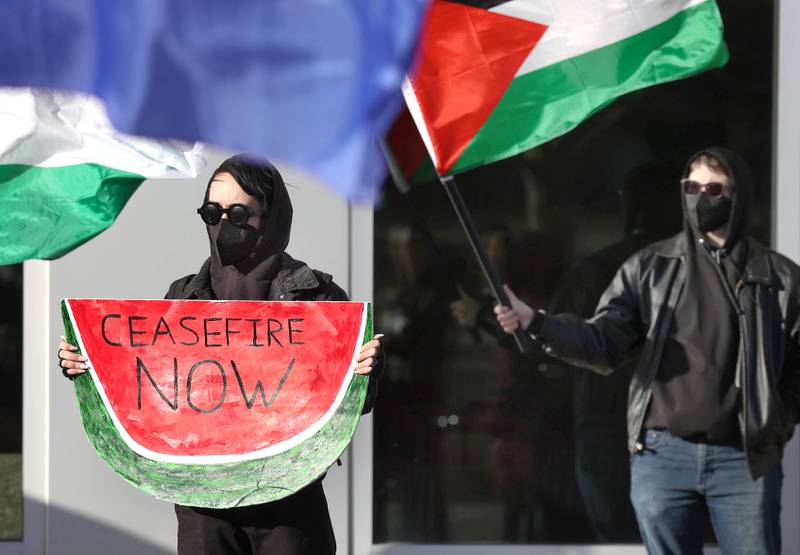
141	332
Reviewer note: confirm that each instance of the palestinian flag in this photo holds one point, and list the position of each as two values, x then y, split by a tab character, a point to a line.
65	173
497	78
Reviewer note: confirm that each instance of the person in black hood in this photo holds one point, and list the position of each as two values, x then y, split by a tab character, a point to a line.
245	255
713	319
248	216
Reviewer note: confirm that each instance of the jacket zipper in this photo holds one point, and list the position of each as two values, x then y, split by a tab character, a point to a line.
743	364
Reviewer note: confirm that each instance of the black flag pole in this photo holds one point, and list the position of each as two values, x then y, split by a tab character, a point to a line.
489	271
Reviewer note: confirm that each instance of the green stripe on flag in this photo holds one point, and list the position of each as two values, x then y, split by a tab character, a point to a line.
49	211
551	101
424	173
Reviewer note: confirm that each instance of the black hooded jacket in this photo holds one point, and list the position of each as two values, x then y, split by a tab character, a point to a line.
635	316
694	391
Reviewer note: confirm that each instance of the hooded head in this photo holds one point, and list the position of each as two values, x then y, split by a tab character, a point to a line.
244	257
704	213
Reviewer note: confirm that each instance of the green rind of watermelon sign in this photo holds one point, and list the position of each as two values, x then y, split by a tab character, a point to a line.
219	403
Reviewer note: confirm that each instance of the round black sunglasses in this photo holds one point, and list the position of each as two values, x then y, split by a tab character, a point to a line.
211	213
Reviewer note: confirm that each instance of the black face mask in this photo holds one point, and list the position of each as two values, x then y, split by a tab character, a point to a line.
708	213
234	243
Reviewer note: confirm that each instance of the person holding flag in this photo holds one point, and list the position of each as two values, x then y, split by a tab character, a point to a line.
714	319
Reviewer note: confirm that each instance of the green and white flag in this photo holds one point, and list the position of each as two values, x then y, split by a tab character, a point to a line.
65	173
497	78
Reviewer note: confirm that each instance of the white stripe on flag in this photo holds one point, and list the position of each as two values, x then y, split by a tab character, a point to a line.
416	113
54	129
580	26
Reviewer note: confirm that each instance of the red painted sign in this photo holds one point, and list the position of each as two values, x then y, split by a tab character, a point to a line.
200	378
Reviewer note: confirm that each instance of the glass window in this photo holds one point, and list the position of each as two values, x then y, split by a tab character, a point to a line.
474	443
11	403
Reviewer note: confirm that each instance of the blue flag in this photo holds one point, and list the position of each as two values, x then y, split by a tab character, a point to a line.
304	82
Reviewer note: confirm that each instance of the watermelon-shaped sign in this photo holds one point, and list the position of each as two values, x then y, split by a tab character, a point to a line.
219	403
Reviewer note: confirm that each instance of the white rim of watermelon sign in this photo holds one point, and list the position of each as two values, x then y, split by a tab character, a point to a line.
222	480
215	459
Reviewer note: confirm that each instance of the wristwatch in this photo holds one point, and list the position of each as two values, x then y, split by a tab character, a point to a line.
535	327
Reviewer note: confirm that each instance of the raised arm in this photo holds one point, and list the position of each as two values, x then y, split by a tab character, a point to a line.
599	343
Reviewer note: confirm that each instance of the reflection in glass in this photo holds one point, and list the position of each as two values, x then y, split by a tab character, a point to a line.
650	210
11	403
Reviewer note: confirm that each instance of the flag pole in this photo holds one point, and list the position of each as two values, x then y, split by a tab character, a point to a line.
489	271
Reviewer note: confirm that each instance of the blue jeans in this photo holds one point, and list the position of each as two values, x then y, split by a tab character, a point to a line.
672	479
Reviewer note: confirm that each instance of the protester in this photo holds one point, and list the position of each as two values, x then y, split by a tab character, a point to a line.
714	318
248	216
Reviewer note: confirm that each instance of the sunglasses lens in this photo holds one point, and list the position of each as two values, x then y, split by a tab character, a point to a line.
714	189
691	187
211	213
239	214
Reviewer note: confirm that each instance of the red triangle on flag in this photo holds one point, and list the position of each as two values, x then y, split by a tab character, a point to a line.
468	57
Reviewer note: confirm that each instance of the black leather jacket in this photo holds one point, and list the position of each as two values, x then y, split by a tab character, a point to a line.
633	319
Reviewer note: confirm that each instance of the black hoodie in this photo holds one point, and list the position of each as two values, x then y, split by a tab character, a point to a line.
694	393
250	279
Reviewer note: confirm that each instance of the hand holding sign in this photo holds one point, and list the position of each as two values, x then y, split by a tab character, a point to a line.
219	403
72	364
369	354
